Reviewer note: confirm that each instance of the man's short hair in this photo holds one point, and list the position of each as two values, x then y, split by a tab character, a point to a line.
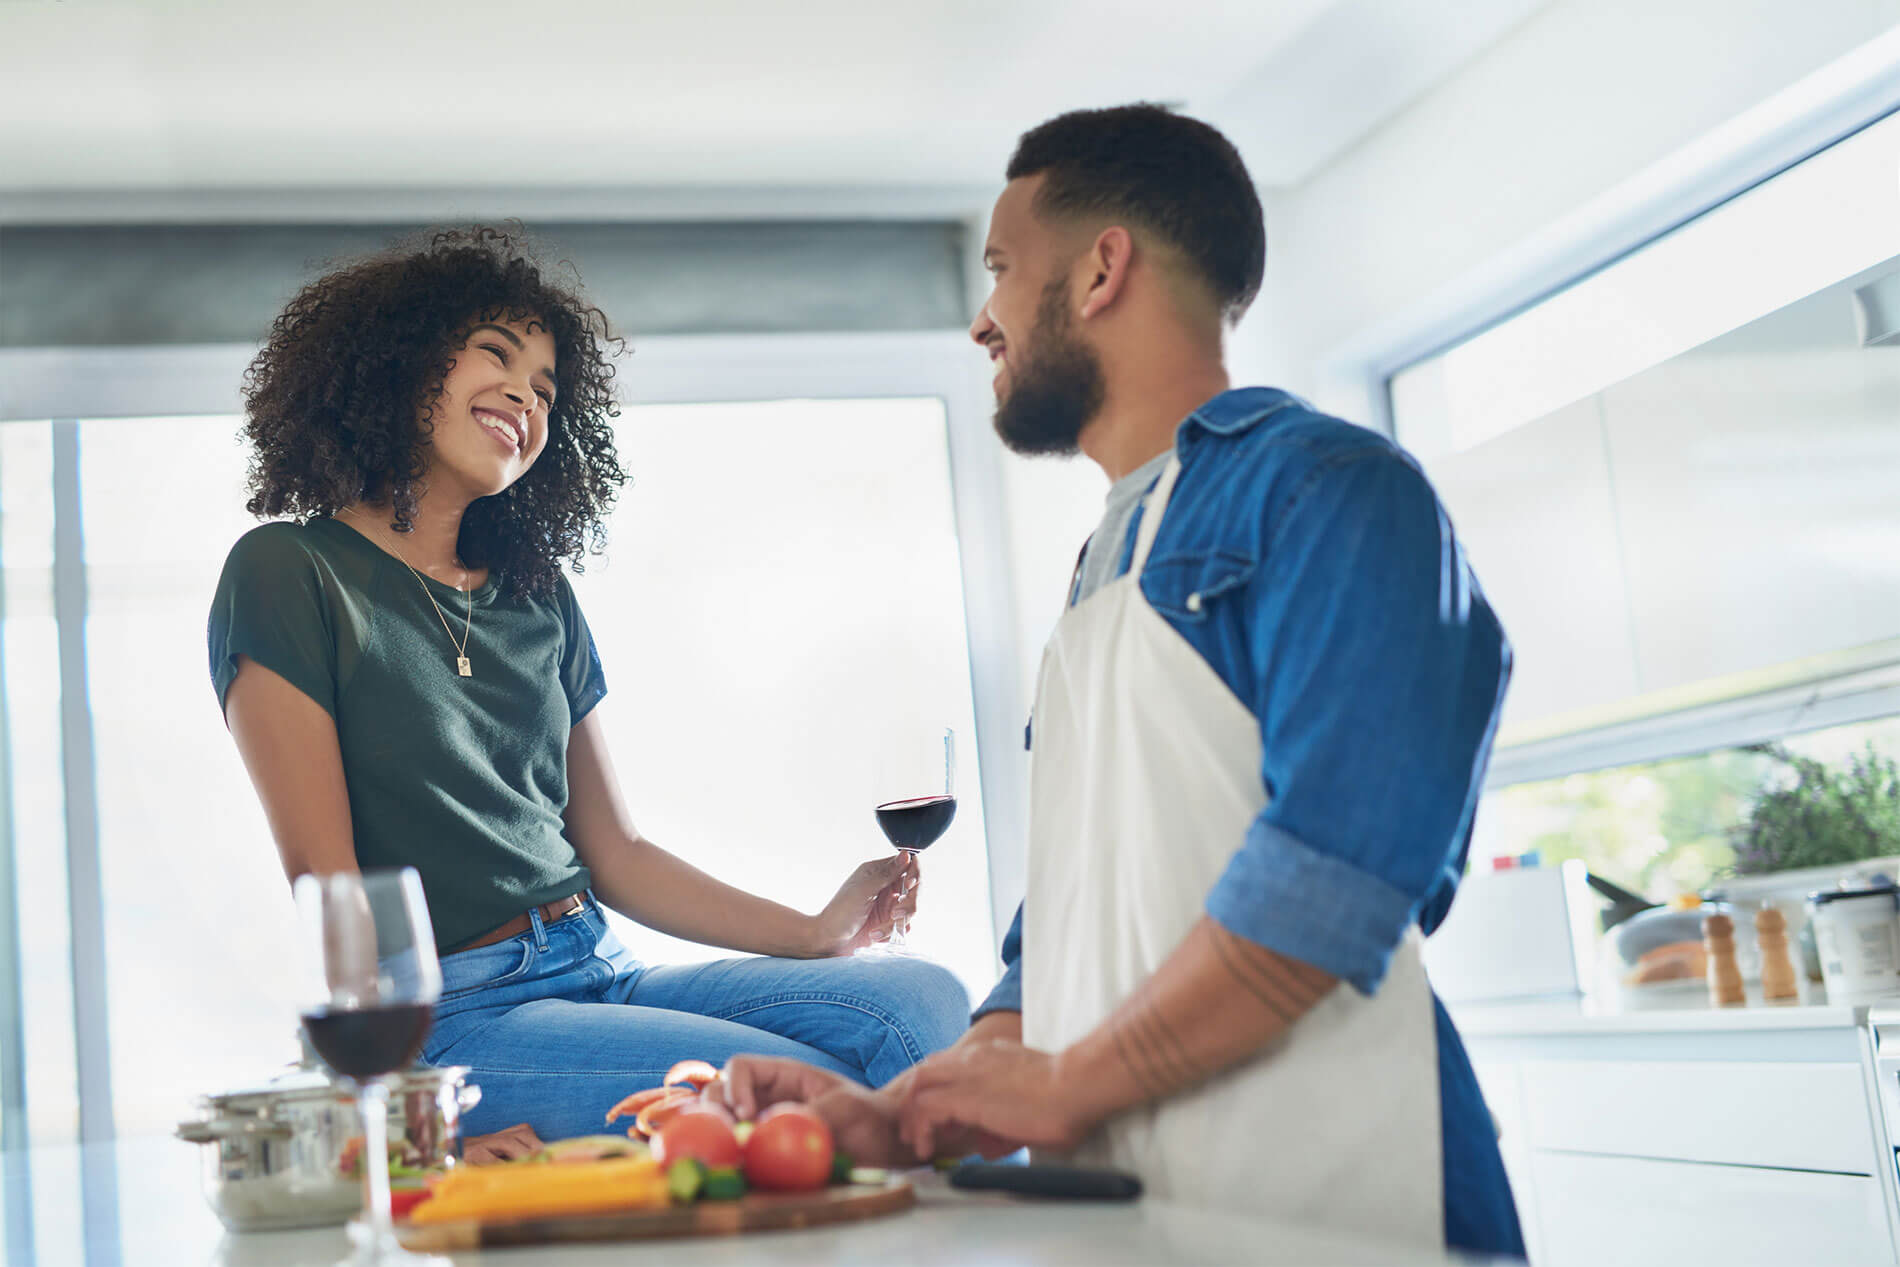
1172	175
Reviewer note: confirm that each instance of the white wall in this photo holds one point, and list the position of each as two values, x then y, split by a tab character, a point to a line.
1581	97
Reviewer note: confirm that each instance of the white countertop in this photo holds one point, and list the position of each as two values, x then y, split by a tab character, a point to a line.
159	1217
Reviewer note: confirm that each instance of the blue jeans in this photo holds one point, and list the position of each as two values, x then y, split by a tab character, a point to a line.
559	1023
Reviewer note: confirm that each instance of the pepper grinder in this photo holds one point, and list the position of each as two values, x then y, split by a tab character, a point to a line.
1777	966
1725	979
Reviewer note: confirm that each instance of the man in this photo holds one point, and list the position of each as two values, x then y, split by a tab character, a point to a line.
1259	734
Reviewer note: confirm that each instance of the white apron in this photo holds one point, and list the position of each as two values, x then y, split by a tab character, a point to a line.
1144	778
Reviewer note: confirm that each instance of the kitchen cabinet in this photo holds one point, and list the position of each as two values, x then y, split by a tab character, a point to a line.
1750	1135
1626	1210
1791	1116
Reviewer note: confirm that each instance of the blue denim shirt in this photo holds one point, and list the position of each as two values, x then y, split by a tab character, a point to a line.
1311	565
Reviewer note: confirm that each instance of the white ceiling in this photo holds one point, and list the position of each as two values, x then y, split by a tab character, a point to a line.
197	95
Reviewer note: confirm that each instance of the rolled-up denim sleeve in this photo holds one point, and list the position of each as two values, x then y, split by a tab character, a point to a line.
1007	996
1378	670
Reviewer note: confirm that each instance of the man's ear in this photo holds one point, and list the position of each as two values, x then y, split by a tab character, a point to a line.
1108	260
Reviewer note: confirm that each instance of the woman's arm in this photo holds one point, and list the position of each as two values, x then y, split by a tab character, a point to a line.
289	745
649	885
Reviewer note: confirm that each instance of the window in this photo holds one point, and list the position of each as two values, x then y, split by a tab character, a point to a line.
200	966
784	586
34	785
781	592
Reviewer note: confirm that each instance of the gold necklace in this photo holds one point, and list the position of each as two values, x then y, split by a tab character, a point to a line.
462	668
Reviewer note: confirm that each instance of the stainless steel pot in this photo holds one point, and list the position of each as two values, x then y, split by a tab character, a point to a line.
280	1155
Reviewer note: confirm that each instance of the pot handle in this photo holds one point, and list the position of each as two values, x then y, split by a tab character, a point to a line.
467	1097
226	1128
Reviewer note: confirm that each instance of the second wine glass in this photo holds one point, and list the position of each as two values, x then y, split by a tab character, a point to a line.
372	981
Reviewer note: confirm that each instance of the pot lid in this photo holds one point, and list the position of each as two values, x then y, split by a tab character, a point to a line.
302	1084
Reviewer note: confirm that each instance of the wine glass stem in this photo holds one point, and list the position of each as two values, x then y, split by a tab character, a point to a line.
898	940
372	1104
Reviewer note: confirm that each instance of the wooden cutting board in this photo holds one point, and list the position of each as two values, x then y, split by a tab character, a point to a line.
754	1212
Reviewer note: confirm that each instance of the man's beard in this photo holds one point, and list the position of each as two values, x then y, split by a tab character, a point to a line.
1056	389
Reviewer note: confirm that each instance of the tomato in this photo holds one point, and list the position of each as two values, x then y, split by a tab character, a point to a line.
719	1111
790	1150
703	1133
403	1200
693	1073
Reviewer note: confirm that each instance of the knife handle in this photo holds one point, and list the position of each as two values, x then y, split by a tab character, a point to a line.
1045	1179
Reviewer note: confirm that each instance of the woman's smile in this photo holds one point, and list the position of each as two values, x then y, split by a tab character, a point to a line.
509	430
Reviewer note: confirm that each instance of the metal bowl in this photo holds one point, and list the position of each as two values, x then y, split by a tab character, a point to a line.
275	1154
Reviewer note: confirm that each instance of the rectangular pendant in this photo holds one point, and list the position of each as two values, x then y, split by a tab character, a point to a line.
461	666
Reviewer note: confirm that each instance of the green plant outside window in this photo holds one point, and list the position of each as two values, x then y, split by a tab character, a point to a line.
1669	827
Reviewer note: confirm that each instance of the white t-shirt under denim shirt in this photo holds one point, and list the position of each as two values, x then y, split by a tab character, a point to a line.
1102	556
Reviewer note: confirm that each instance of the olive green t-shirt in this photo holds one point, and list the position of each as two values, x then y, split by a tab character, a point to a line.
462	778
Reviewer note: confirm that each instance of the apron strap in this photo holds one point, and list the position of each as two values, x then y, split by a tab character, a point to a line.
1155	506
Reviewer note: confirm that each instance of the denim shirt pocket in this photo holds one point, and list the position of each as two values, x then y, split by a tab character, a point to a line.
1187	586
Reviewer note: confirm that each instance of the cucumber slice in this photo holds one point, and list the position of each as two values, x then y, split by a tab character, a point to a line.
874	1176
723	1183
686	1179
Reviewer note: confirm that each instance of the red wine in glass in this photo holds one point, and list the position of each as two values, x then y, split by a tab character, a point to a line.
915	824
368	1042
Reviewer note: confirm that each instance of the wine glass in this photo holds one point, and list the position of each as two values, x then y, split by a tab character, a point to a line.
371	981
913	823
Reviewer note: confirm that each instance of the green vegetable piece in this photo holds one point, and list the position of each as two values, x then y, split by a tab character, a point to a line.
723	1183
686	1179
871	1176
840	1167
944	1165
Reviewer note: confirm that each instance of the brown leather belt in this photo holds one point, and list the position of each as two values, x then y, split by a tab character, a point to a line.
559	908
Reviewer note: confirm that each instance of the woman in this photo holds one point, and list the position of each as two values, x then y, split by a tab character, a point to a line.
409	679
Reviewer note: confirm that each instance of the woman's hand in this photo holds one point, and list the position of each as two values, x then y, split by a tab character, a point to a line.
512	1144
878	897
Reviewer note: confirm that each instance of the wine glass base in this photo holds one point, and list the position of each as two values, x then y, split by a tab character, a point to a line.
366	1250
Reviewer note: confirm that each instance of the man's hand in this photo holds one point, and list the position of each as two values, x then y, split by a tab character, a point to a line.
516	1142
991	1096
863	1122
877	897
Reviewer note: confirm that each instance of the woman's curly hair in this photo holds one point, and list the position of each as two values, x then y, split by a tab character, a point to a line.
339	403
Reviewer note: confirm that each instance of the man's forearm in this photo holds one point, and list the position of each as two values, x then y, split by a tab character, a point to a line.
1213	1003
999	1024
